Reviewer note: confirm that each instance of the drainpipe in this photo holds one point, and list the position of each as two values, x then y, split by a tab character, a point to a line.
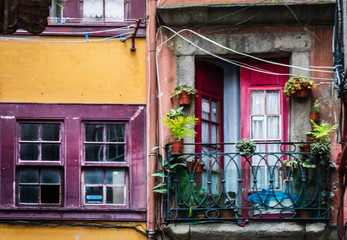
151	114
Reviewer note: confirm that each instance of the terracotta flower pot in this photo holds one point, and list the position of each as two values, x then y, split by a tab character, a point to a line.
303	93
199	168
227	213
177	148
314	116
184	98
305	148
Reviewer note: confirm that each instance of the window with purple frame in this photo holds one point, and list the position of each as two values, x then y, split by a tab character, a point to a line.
69	161
95	17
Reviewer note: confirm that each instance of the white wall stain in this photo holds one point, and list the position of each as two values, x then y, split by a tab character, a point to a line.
137	113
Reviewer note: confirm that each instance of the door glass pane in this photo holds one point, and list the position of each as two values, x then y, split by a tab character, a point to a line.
272	102
115	177
29	151
50	152
115	195
257	102
49	175
29	194
273	127
205	132
94	176
94	195
115	153
50	132
29	132
214	133
258	127
115	133
205	109
94	153
29	175
93	9
114	10
257	159
214	113
94	133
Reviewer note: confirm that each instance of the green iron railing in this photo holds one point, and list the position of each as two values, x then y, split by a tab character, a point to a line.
277	182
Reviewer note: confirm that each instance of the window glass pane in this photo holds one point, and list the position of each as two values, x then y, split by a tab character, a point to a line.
214	133
50	175
205	132
94	133
115	153
50	152
115	133
115	195
256	159
115	177
114	10
214	114
205	109
257	102
93	9
94	195
29	132
55	10
29	151
29	194
50	194
50	132
94	153
273	127
94	176
257	127
29	175
272	102
260	177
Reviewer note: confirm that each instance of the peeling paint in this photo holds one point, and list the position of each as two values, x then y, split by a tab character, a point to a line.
137	113
76	118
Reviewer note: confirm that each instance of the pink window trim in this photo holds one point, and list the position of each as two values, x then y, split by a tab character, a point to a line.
246	89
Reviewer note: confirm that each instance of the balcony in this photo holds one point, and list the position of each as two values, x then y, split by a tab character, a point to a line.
214	182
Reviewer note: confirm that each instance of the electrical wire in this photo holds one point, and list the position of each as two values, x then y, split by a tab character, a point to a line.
238	64
41	39
236	52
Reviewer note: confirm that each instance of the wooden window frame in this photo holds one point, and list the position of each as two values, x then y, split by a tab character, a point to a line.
72	117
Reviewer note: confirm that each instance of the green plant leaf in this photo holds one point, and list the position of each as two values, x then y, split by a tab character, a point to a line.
162	191
159	174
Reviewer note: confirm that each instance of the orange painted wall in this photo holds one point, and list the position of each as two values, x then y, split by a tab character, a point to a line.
73	72
71	233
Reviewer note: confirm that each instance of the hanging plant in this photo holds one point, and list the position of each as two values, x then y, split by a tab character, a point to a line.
298	86
246	147
184	92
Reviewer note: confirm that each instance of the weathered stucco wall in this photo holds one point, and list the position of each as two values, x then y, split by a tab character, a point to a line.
85	72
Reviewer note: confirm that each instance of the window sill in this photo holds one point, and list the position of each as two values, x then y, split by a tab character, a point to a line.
93	29
73	214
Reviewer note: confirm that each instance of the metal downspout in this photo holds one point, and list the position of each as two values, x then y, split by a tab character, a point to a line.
151	114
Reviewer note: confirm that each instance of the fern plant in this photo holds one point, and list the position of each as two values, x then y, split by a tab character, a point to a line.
181	126
321	132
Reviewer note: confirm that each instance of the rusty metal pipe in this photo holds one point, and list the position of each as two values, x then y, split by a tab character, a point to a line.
151	114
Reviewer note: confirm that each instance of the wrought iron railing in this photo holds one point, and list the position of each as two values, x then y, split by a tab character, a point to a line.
277	182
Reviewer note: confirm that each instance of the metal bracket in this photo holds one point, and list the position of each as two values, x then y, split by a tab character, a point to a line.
133	35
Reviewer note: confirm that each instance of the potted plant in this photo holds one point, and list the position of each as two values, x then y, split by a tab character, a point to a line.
300	86
246	147
314	114
321	147
175	113
184	92
179	127
304	147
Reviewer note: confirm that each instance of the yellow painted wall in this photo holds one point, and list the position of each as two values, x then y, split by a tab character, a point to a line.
70	233
84	72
